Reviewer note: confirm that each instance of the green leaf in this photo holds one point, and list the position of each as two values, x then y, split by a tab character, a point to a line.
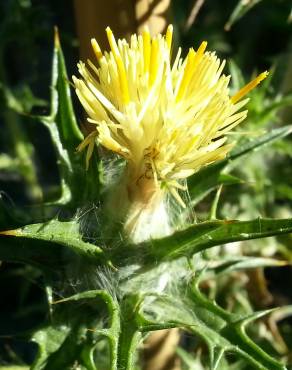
237	78
274	107
53	234
22	99
210	177
256	144
239	11
200	237
222	331
49	341
78	186
67	124
227	265
60	347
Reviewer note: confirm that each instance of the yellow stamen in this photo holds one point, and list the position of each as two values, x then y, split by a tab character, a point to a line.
187	74
193	60
120	65
248	87
112	42
201	50
168	36
146	49
96	49
154	62
123	81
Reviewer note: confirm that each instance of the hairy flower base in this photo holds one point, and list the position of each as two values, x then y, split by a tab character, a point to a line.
140	206
148	215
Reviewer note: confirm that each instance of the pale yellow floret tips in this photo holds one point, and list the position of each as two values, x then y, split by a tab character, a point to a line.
120	66
248	87
146	49
96	49
193	60
168	36
154	61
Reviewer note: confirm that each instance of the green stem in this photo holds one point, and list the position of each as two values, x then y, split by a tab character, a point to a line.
213	212
128	342
87	357
129	336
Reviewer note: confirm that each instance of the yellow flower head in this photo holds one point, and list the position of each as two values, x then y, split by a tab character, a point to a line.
167	119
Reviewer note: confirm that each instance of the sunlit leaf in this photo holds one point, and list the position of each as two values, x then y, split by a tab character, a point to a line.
202	236
77	185
53	234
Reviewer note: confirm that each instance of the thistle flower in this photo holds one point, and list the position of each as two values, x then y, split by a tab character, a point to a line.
167	120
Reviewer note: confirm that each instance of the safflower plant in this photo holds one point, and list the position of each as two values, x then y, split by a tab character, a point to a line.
126	255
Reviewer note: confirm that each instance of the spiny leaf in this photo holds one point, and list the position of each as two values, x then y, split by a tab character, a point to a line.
94	294
77	185
202	236
56	232
72	336
111	333
223	332
68	126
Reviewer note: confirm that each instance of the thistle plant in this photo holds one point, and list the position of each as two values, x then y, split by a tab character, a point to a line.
120	251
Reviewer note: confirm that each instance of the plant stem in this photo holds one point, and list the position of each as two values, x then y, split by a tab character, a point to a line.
129	337
128	341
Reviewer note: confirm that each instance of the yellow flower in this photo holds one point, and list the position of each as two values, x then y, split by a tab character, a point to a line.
166	119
